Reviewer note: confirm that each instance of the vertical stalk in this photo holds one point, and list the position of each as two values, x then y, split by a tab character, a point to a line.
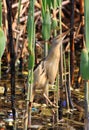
55	32
86	10
12	56
61	64
82	14
18	20
46	49
19	7
61	53
72	42
67	99
31	40
57	79
86	99
69	84
0	26
0	68
46	30
45	54
86	105
0	13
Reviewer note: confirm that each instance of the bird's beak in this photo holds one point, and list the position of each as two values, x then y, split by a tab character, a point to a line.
62	36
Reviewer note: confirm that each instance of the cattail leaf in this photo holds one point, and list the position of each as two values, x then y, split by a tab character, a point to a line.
46	31
86	14
59	2
31	61
46	26
30	26
2	42
44	4
54	23
44	7
52	3
56	3
49	4
84	64
47	18
31	32
0	13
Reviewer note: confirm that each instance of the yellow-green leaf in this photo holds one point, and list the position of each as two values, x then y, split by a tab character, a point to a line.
84	60
2	42
31	61
46	26
54	23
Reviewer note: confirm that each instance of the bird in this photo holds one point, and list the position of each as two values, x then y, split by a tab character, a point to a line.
46	71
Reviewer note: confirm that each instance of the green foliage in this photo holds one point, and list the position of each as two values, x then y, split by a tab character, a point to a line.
46	4
59	2
31	61
86	14
46	26
2	42
30	29
2	46
31	37
0	13
30	25
84	61
84	64
54	23
56	3
49	4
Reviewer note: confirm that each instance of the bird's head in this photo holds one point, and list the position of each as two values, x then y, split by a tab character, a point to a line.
58	39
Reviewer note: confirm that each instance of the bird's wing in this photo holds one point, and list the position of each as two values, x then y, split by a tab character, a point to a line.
40	77
51	71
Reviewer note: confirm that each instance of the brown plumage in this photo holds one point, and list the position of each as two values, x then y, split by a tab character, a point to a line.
46	70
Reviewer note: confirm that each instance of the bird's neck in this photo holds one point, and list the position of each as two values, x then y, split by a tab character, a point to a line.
54	53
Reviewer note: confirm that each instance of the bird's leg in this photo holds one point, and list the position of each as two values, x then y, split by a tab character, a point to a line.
46	95
46	92
49	100
33	95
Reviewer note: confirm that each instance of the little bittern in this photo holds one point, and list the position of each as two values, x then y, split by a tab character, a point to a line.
46	70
